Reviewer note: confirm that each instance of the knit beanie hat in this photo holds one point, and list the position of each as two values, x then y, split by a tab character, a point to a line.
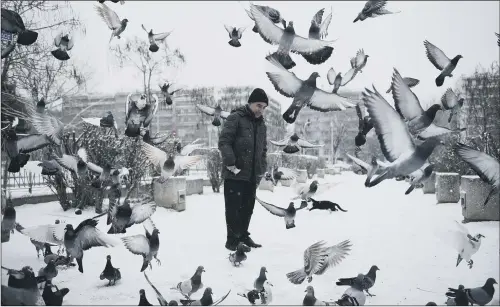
258	95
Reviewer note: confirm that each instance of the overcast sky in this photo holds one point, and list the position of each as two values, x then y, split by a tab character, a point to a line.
462	27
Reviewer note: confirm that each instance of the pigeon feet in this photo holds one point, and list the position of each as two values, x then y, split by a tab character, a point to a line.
158	261
309	279
470	263
369	294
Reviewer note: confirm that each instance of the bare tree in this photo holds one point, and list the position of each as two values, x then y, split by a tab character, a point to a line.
339	136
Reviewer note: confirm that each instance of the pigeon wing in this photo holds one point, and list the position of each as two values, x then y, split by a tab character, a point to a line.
436	56
137	244
326	102
89	237
331	76
142	212
240	31
280	143
334	255
360	162
57	39
46	233
284	81
323	29
161	299
96	121
287	173
305	144
155	155
186	150
411	82
434	130
272	208
360	57
161	36
313	259
348	76
32	143
266	28
405	101
108	16
393	135
95	168
449	99
484	165
206	109
68	162
185	162
224	114
229	29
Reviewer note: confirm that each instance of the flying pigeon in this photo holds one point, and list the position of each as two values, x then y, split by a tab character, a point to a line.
304	93
306	191
372	9
273	14
170	165
159	297
13	23
53	298
18	149
367	281
112	20
319	30
234	35
398	147
125	216
410	82
168	95
337	80
317	259
294	144
50	167
8	49
143	301
359	61
477	296
192	285
110	273
368	168
157	140
451	102
282	173
286	39
311	300
441	62
44	122
365	125
63	43
153	38
139	112
457	297
288	213
419	176
77	164
487	167
51	233
408	106
239	255
189	148
145	245
216	112
107	121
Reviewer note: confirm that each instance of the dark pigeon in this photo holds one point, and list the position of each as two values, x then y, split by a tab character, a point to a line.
441	62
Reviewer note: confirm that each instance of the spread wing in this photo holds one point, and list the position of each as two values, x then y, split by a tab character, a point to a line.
89	236
46	233
142	212
224	114
411	82
137	244
306	144
287	174
435	130
186	150
95	168
449	99
360	162
68	162
229	29
32	143
405	101
240	31
57	39
155	155
313	259
161	36
331	75
280	143
393	135
96	121
272	208
284	81
206	109
436	56
108	16
484	165
348	76
326	102
323	29
334	255
360	57
185	162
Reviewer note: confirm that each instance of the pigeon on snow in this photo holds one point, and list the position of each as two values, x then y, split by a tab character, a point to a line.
191	285
411	82
294	144
53	298
319	30
304	93
273	14
487	167
365	125
419	176
372	9
27	296
110	273
398	147
143	301
18	148
259	282
153	38
239	255
286	39
63	43
49	271
139	112
441	62
457	297
145	245
205	300
13	23
367	281
216	112
311	300
451	102
259	297
337	80
354	295
234	35
306	191
112	20
477	296
288	213
317	259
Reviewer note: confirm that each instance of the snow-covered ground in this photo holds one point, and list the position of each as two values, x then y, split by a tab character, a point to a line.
387	228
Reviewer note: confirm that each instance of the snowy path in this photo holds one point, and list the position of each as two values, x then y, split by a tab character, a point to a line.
387	228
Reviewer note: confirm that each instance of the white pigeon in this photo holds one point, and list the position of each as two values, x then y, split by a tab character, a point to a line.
461	240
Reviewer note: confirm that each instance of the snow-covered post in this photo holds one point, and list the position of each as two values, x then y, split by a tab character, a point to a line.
171	194
473	192
430	184
447	187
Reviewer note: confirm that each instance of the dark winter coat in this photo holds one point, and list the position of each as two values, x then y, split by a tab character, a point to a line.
243	143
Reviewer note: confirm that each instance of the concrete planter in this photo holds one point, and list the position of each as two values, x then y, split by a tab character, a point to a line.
320	173
171	194
447	187
336	171
301	176
266	185
430	184
473	193
194	186
286	183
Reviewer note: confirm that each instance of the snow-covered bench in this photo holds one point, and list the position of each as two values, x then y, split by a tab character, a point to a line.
447	187
473	192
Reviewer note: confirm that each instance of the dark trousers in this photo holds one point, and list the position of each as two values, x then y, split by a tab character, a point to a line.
239	197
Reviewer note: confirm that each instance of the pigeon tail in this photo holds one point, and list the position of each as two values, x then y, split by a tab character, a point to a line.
290	149
17	162
297	277
234	43
63	291
5	235
216	122
60	55
459	259
411	188
154	48
379	179
489	196
440	80
145	264
318	57
288	226
344	281
357	18
255	29
27	37
284	59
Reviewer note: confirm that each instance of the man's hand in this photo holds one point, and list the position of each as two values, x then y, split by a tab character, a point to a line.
233	169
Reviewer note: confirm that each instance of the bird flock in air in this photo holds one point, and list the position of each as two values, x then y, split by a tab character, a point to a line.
407	135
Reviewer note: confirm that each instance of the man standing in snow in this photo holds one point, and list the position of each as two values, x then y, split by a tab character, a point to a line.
243	146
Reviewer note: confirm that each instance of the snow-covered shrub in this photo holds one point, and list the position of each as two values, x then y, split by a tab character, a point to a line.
214	169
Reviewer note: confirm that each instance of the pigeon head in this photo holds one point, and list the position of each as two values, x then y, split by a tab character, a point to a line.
360	139
431	112
27	269
461	287
69	227
428	170
208	291
289	29
454	61
309	290
375	268
173	303
41	103
200	269
294	137
65	38
156	231
314	76
142	292
124	21
263	270
108	257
